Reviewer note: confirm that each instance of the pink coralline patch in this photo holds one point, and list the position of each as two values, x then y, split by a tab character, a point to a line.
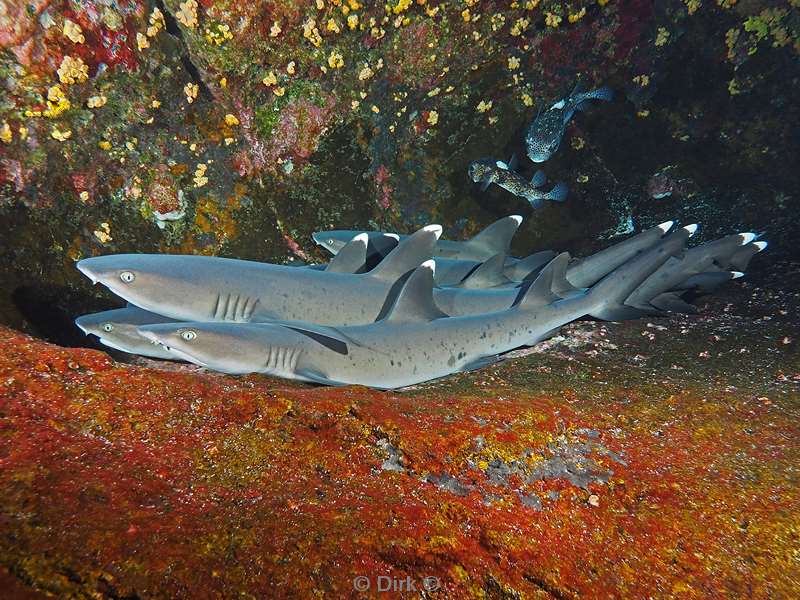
84	181
383	188
296	136
11	171
104	45
295	247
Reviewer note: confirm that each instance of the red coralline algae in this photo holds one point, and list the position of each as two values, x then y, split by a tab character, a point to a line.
122	480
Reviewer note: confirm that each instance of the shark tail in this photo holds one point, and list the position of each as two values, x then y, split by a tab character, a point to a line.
588	271
408	255
496	238
607	297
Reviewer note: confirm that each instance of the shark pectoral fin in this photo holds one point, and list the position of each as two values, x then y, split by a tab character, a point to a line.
408	254
487	274
415	302
483	361
315	377
672	302
351	258
326	336
496	237
619	313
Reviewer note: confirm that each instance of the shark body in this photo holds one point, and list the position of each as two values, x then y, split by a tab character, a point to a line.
494	239
204	288
117	329
415	341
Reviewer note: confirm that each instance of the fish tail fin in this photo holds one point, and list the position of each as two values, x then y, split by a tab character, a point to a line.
408	255
485	184
605	93
607	296
538	179
558	193
496	238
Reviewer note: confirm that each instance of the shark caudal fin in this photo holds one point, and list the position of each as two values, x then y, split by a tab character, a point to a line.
496	238
538	179
352	257
608	296
415	302
588	271
549	286
708	281
488	274
741	259
408	254
527	268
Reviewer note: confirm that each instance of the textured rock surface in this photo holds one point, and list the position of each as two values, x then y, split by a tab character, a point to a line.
239	128
646	459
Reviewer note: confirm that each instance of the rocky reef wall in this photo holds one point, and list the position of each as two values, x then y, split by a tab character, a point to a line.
238	128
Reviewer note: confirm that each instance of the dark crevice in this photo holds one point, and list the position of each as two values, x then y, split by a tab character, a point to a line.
172	27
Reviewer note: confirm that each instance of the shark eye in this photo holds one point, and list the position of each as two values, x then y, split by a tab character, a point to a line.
188	335
108	327
330	240
127	276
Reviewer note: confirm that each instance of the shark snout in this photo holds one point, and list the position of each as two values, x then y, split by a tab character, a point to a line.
86	269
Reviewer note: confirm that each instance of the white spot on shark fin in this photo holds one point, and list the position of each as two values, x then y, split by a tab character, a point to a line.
666	226
394	236
761	245
736	274
415	302
692	229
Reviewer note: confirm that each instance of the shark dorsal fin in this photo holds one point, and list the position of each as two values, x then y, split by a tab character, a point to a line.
487	274
542	291
408	254
528	267
496	238
351	257
415	300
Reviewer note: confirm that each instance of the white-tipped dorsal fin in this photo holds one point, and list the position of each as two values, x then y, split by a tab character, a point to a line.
488	274
747	237
691	229
351	257
393	235
528	267
761	245
666	226
408	254
736	274
496	238
415	302
542	291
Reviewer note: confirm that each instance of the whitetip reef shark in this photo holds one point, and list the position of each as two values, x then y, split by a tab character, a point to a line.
545	133
494	239
117	329
414	341
207	288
